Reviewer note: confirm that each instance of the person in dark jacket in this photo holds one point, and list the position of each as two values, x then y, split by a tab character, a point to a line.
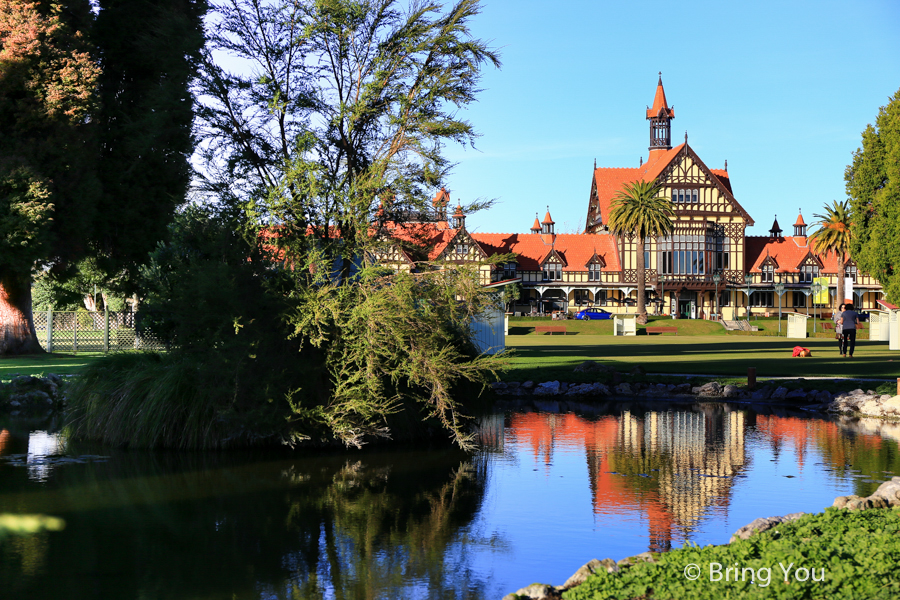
848	322
837	328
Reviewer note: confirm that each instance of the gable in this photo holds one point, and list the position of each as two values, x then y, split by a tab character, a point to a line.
687	172
462	247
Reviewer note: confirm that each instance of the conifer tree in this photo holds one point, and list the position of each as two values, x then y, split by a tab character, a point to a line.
873	187
47	183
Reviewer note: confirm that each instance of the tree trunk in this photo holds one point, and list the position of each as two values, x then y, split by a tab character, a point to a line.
839	292
17	334
641	285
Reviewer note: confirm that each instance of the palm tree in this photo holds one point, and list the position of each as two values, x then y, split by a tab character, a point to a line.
638	210
833	235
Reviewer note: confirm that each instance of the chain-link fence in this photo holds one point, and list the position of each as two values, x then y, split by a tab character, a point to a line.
85	331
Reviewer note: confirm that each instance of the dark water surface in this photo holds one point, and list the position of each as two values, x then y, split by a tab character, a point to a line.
547	492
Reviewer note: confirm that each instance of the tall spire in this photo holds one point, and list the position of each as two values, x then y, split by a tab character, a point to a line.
660	117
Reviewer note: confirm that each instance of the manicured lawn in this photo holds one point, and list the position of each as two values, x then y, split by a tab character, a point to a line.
41	364
767	327
548	357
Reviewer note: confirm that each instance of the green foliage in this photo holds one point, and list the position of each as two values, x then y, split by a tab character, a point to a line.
858	551
873	187
396	338
835	236
86	285
149	52
46	93
638	211
352	104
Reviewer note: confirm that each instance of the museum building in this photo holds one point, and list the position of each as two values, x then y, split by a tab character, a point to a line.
706	266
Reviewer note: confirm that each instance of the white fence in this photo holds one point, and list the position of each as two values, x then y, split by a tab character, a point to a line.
85	331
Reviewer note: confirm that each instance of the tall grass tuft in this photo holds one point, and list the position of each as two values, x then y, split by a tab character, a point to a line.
145	400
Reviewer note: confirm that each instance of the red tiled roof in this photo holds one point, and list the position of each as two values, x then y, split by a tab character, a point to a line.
576	249
722	176
787	252
611	180
659	103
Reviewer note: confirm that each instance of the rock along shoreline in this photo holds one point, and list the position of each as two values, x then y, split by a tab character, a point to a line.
860	402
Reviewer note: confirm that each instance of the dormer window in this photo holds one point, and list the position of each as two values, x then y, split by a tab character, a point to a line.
768	273
850	272
552	272
509	270
808	273
462	249
594	272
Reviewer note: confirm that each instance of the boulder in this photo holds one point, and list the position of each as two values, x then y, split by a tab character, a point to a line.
607	564
535	591
592	366
588	389
823	397
842	501
682	388
762	524
795	395
731	391
549	388
624	389
779	394
763	393
24	381
528	385
713	388
891	406
871	408
889	491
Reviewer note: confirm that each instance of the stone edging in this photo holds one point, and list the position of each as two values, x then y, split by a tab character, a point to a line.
887	495
866	403
29	395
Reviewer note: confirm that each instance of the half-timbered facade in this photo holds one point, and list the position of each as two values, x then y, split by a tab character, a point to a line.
706	265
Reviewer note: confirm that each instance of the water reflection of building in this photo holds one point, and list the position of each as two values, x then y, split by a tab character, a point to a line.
672	467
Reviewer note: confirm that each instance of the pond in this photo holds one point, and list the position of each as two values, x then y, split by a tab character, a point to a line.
552	487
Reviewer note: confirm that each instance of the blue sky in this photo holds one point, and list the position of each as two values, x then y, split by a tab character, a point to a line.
782	90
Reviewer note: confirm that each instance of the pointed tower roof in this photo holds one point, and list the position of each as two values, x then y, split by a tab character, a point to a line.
776	230
800	220
660	107
548	218
537	224
459	212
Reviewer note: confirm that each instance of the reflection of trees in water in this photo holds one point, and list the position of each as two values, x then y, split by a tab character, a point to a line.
223	525
379	540
847	445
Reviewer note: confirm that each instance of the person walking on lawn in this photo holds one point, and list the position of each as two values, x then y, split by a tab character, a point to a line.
837	328
848	322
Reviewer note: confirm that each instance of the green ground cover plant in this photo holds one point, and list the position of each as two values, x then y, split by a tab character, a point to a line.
851	554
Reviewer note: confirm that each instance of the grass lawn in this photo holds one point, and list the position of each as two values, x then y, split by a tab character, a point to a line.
549	357
42	364
768	326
